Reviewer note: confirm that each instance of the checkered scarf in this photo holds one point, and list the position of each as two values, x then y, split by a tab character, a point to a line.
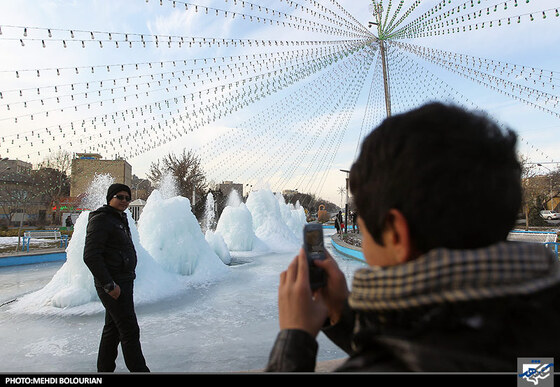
443	275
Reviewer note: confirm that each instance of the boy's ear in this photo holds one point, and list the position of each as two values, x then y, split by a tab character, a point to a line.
397	236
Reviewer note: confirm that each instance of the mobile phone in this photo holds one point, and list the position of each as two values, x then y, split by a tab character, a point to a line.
314	248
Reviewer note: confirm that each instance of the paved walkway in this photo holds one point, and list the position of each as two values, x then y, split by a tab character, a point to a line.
350	246
352	236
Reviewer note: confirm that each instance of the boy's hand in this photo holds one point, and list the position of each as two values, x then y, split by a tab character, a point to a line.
298	308
336	292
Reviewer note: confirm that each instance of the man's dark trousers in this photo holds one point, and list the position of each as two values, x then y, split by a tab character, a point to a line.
120	326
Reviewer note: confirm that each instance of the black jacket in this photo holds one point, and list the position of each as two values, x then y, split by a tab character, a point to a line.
464	337
109	251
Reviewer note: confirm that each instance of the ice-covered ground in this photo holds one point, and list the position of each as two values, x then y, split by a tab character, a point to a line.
226	326
205	302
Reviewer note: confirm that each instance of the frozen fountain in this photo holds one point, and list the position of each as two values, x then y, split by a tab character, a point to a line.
209	220
236	225
218	318
174	254
268	223
214	238
171	249
168	186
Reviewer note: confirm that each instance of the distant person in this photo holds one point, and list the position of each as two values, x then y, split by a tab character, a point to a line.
110	256
444	292
355	222
69	222
337	224
340	222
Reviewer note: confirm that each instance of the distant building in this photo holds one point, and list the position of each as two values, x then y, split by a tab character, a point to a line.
227	186
26	195
15	166
17	192
86	165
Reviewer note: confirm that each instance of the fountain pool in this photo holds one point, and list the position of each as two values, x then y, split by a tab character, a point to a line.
196	312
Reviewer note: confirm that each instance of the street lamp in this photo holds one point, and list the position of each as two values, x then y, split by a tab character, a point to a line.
341	190
346	206
136	187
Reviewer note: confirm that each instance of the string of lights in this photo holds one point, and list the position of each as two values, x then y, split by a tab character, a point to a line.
127	114
272	104
531	96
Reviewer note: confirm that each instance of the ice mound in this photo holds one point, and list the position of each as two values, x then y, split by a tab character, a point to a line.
152	282
209	221
269	224
173	253
171	234
217	243
174	240
293	216
72	285
236	227
266	223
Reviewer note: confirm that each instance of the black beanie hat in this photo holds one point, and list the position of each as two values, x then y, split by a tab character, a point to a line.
115	188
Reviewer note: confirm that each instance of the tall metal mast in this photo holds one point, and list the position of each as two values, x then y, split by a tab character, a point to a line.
376	10
385	78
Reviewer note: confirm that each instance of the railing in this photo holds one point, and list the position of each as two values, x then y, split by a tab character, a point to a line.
548	238
532	236
43	234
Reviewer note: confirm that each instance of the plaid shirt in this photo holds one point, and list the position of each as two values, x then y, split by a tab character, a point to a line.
444	275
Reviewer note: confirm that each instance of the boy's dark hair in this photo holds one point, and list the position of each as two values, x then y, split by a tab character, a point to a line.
453	174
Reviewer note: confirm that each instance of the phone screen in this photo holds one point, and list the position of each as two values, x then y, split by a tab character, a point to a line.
315	250
314	241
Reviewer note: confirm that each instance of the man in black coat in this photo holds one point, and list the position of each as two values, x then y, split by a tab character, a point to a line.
445	291
110	256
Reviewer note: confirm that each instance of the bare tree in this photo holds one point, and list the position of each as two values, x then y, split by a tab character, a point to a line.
52	176
188	173
17	194
535	193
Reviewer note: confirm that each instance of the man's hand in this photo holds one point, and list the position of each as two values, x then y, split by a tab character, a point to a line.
298	307
116	292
